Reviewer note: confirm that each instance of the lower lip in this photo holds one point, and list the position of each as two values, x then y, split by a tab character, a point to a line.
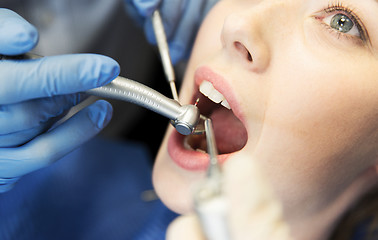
189	159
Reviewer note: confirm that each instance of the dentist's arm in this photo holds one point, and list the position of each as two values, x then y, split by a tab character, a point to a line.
35	94
254	212
181	18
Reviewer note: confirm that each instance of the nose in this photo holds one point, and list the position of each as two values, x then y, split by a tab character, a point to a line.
246	35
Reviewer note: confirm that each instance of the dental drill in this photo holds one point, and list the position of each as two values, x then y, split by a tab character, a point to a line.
209	201
183	118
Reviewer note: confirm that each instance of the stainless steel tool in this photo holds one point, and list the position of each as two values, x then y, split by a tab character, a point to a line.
162	43
209	201
184	118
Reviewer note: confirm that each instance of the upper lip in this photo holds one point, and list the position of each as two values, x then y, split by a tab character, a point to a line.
205	73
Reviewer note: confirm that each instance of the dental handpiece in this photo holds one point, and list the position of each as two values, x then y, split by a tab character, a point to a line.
184	118
209	202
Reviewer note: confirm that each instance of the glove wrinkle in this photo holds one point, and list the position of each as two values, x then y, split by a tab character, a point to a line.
33	113
22	137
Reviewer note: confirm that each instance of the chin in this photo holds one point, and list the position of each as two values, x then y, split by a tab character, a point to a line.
182	160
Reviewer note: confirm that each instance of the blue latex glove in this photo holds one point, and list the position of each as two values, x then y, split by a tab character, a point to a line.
181	19
34	94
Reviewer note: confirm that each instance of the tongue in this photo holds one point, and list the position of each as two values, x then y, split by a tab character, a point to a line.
230	133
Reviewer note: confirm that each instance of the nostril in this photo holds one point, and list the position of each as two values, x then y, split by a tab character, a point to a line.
249	57
243	50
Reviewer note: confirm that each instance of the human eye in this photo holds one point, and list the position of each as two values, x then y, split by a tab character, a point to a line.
343	22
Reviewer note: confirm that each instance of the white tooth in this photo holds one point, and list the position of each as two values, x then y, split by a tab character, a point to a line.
215	96
200	150
225	104
206	88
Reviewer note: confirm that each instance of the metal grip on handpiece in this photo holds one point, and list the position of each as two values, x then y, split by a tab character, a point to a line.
209	201
183	118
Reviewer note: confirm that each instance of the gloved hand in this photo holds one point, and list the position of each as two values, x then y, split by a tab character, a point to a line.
34	94
181	19
254	212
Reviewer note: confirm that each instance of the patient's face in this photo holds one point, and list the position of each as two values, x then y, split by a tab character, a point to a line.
301	79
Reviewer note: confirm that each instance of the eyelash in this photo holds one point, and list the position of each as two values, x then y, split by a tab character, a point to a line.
338	7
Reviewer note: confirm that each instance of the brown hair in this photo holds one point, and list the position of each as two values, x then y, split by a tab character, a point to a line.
361	221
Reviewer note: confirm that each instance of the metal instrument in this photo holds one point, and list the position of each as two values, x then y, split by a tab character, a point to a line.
162	43
184	118
209	202
163	47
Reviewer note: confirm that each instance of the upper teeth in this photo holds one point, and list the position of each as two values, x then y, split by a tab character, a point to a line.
209	91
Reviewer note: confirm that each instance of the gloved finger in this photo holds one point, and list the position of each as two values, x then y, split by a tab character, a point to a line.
6	184
22	80
54	144
15	139
26	115
21	122
186	31
171	12
17	36
146	7
185	228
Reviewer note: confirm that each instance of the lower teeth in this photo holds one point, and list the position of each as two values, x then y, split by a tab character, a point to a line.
189	147
200	150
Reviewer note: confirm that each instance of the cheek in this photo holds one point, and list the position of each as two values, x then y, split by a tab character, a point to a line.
173	184
316	99
168	184
320	123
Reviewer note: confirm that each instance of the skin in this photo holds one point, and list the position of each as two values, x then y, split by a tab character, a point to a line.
251	214
308	100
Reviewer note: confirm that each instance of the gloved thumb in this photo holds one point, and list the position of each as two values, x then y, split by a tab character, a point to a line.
56	143
146	7
17	36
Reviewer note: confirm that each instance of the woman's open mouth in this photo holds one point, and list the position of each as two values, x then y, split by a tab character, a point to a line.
216	102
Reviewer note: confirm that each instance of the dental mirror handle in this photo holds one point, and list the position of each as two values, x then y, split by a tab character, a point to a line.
162	43
184	118
210	204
